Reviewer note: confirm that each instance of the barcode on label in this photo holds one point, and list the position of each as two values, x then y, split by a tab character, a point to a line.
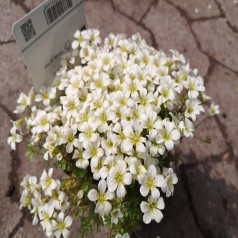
28	30
55	9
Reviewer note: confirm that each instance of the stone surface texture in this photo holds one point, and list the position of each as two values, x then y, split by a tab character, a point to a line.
205	202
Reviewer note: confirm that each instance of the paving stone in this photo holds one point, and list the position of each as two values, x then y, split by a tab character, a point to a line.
230	9
100	15
215	201
225	169
10	214
178	219
28	231
31	4
193	149
174	33
218	40
133	8
5	157
8	17
14	76
223	86
9	218
198	9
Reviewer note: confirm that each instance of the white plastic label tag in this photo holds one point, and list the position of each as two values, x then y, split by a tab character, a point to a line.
45	34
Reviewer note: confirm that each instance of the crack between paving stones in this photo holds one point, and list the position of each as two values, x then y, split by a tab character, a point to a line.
224	133
203	19
141	24
19	225
189	21
185	182
10	114
148	10
232	27
205	161
13	191
22	4
7	42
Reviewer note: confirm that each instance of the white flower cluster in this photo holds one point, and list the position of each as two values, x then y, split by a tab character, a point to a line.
47	204
115	108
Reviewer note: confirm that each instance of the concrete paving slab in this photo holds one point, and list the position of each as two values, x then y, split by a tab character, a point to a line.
174	33
223	87
196	149
205	200
14	76
10	13
218	41
230	10
198	9
215	202
128	7
107	20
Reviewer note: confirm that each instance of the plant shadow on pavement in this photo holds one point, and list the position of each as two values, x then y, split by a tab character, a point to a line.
201	206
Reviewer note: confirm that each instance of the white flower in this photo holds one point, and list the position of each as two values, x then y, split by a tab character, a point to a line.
151	209
82	39
136	168
101	80
26	199
194	86
45	95
14	138
24	101
152	121
69	139
70	106
57	197
169	134
42	121
150	182
93	150
214	109
81	161
187	127
144	98
120	136
47	183
154	147
169	181
94	36
192	109
166	92
110	144
61	225
46	215
30	183
126	235
119	177
103	207
88	133
103	117
134	137
115	215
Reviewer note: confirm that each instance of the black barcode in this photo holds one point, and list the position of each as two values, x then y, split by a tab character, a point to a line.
55	9
28	30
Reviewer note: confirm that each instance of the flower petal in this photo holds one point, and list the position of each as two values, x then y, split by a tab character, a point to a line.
121	191
144	191
93	195
147	218
175	135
